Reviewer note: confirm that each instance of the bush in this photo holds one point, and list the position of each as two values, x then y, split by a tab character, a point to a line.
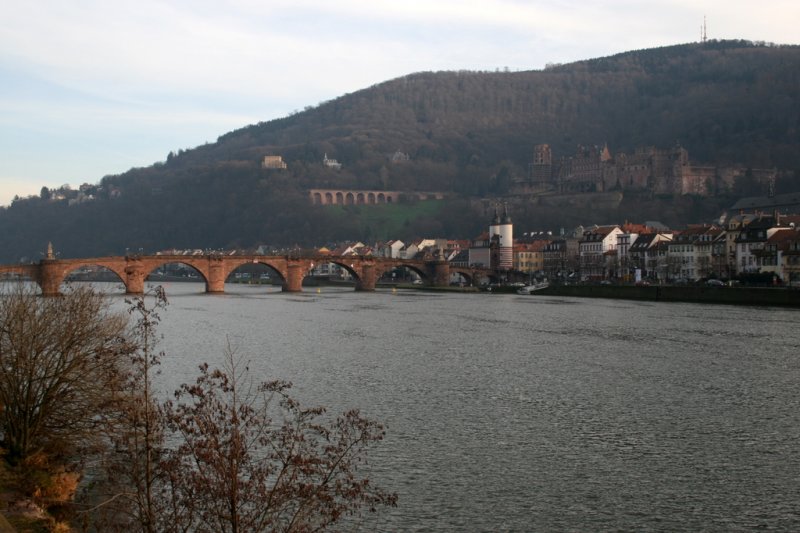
59	367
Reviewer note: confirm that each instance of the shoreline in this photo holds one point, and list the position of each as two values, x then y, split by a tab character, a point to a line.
753	296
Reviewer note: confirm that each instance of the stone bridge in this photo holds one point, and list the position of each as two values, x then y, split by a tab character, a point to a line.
50	273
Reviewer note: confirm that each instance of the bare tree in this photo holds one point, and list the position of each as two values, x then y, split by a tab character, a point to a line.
251	459
134	481
59	361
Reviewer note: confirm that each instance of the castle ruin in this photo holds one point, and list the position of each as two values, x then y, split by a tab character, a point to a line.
656	170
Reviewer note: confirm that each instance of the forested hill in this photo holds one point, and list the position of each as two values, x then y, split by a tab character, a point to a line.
726	102
730	102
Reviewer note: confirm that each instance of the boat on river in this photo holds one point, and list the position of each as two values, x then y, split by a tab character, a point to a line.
533	287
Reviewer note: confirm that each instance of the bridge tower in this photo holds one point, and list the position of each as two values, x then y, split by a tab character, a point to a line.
501	240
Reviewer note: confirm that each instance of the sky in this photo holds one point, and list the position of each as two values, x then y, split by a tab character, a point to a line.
90	88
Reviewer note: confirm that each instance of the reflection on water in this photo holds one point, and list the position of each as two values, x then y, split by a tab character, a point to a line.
530	413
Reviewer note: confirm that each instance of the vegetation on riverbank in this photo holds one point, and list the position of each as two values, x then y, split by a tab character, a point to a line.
88	445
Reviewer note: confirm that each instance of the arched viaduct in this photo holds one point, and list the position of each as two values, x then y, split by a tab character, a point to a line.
368	197
49	274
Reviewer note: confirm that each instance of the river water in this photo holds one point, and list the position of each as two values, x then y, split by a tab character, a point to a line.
532	413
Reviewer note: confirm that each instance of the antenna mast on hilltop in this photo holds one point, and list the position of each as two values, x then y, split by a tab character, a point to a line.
703	36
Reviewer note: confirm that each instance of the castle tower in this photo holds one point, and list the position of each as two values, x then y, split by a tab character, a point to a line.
542	166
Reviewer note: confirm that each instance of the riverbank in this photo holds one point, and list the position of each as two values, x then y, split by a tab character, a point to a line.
757	296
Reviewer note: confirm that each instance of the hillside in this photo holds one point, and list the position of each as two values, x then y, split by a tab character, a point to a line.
470	133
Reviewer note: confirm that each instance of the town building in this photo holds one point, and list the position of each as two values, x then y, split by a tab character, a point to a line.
689	253
732	225
624	241
273	162
560	258
390	249
643	255
597	253
529	258
479	255
790	260
751	239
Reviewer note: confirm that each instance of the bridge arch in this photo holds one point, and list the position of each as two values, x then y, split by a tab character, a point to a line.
278	268
78	271
467	274
317	198
349	199
343	263
416	269
328	198
20	273
339	198
51	274
153	267
371	198
8	272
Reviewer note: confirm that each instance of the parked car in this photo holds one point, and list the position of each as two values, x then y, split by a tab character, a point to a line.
715	283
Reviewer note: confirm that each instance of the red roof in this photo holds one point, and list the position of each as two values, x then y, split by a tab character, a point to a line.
630	227
784	236
604	230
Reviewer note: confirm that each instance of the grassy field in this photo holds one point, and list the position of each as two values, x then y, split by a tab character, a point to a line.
387	221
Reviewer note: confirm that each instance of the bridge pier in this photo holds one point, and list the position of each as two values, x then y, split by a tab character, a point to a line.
294	278
441	274
134	276
367	279
215	282
50	277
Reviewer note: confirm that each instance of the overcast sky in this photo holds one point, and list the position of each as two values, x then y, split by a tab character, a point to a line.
95	87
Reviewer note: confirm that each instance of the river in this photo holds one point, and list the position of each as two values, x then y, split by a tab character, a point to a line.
532	413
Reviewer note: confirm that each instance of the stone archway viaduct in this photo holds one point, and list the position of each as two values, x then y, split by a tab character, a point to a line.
50	273
366	197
